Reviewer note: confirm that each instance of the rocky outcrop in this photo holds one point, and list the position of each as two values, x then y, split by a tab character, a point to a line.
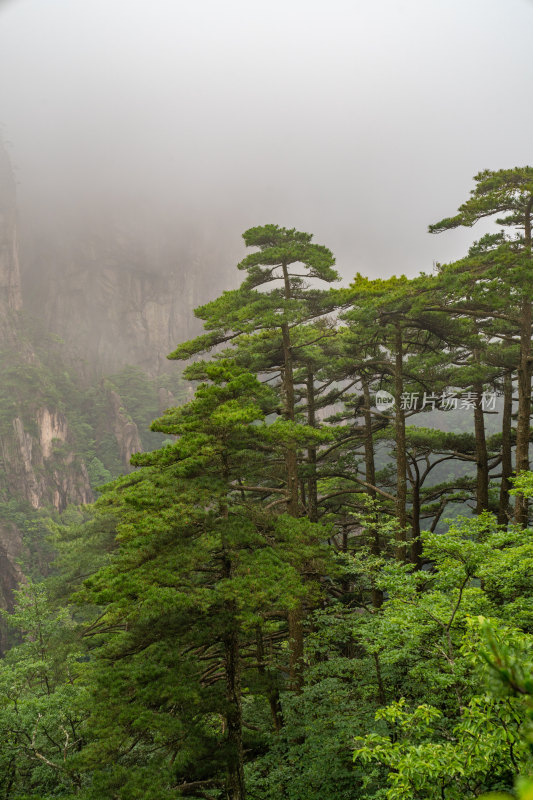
70	484
124	429
38	465
42	467
18	457
52	428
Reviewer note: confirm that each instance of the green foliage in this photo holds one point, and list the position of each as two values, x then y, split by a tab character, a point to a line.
98	474
523	484
466	736
271	595
44	701
504	190
140	397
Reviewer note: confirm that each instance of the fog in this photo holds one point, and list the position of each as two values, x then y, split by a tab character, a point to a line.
361	122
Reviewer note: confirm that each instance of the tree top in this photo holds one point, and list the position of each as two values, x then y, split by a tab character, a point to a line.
508	190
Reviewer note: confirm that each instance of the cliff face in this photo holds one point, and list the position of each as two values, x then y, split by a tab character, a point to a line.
124	429
115	299
39	466
36	446
118	299
10	287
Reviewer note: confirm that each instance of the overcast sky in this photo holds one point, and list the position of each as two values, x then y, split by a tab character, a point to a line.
361	121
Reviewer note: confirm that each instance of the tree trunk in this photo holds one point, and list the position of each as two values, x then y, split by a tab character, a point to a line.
291	457
296	647
524	407
235	787
401	456
482	459
507	461
370	478
295	616
524	382
416	546
270	687
312	500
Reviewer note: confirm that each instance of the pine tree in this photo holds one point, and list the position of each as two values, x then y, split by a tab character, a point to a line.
269	325
500	267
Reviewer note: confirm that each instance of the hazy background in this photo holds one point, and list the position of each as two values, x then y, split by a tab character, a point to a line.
361	122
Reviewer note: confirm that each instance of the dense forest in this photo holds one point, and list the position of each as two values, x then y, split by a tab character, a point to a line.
316	581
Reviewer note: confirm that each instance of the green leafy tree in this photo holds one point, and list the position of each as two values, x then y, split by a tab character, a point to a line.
44	701
199	576
269	324
502	268
446	731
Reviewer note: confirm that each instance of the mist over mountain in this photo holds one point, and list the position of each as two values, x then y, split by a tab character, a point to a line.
182	125
300	567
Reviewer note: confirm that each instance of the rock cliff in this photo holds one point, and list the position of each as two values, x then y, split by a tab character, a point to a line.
39	466
36	446
124	429
116	299
10	286
42	467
